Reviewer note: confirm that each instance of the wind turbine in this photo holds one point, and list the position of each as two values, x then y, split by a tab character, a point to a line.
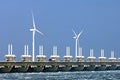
33	37
76	37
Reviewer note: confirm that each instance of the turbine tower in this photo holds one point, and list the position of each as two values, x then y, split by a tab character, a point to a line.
76	37
33	37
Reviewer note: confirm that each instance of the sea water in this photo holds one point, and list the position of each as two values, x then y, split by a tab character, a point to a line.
81	75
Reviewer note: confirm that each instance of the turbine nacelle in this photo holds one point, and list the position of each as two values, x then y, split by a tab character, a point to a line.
75	37
32	29
36	30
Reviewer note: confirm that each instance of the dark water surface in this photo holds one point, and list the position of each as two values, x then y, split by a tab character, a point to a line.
83	75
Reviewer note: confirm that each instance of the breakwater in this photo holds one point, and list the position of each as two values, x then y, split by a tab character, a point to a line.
11	67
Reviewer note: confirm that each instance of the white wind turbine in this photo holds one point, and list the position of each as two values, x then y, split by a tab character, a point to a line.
76	37
33	37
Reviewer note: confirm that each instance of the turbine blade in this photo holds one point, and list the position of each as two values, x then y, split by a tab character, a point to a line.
80	33
33	20
74	32
39	32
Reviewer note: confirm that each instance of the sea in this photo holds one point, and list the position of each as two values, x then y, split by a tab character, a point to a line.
81	75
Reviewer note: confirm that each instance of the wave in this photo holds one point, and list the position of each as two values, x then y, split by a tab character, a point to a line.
80	75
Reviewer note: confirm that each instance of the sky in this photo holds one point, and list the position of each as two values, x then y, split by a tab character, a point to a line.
99	20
